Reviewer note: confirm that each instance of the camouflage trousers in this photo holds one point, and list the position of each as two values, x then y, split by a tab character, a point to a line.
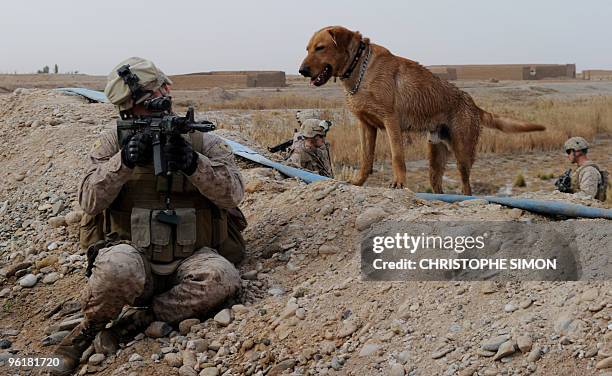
122	276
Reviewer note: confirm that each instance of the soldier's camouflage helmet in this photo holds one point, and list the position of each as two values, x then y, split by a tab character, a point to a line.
312	127
149	77
575	143
303	115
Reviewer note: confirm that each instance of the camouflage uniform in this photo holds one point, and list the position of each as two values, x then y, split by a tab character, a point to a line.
316	160
586	179
164	261
122	275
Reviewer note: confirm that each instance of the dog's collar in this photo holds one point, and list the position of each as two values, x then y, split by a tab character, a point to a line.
354	62
362	71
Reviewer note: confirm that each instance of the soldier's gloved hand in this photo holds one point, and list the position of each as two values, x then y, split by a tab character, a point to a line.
180	155
137	150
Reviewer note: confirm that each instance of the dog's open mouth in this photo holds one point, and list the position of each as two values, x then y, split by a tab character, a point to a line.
322	77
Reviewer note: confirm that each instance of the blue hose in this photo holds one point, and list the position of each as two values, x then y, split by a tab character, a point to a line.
546	207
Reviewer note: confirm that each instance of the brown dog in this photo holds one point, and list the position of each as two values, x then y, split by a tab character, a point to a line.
396	94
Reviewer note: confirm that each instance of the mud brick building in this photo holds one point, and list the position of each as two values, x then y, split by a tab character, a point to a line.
228	80
507	71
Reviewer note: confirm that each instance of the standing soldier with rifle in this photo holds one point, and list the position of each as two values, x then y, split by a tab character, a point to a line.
162	225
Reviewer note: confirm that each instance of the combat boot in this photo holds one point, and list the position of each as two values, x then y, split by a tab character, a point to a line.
129	323
73	345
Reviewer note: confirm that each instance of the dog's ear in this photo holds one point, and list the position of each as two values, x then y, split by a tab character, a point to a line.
341	37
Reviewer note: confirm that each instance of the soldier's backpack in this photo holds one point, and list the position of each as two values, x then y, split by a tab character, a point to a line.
602	188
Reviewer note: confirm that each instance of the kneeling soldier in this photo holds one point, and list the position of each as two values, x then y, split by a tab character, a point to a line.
179	265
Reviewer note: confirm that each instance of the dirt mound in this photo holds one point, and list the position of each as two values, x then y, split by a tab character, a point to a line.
304	309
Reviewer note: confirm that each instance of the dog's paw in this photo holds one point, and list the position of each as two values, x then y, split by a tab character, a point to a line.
358	181
396	185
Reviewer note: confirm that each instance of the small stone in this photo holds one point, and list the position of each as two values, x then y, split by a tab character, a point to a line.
369	217
96	359
524	343
535	354
397	370
590	294
15	268
276	291
526	303
485	353
596	307
515	213
57	222
73	217
28	280
5	344
565	341
47	261
57	207
348	327
247	344
505	349
185	325
488	287
282	366
174	360
135	358
51	278
369	349
328	347
251	275
209	371
300	313
510	307
492	344
158	329
189	359
198	345
606	363
223	317
335	363
328	250
214	345
441	352
187	371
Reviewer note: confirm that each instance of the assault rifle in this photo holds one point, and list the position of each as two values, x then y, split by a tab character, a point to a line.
160	126
283	146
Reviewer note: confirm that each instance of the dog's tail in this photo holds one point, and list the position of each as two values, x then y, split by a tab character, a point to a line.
508	125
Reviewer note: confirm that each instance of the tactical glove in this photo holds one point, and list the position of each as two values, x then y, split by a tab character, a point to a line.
180	156
137	150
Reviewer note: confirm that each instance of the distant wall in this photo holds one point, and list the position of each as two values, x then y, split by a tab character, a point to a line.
510	71
229	80
10	82
597	74
445	73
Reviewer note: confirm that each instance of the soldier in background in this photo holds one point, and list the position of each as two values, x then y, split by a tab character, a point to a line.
311	151
588	179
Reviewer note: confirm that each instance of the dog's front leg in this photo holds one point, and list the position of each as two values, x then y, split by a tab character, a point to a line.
394	133
367	138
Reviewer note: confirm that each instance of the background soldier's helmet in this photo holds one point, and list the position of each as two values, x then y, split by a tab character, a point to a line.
304	115
312	127
575	143
150	78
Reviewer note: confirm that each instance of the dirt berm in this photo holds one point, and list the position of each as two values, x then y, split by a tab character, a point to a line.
304	308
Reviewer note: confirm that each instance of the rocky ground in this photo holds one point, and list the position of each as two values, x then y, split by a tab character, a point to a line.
303	309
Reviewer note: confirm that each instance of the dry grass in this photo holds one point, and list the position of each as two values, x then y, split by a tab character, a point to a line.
270	101
585	117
